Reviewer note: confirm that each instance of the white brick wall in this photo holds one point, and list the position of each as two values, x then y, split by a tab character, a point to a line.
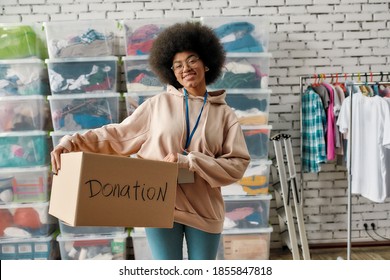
306	37
14	10
70	8
26	2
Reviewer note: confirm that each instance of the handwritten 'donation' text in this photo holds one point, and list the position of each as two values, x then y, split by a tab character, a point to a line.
135	192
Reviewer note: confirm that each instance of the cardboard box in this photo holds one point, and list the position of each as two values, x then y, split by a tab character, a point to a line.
105	190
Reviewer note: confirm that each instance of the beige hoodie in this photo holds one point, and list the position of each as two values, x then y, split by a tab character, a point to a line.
217	153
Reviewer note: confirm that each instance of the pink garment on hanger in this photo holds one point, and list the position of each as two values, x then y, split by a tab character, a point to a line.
330	135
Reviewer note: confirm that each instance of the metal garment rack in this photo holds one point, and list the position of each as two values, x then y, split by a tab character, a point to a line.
366	76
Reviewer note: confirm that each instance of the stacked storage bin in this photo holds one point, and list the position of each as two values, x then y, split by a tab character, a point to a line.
26	228
245	77
82	69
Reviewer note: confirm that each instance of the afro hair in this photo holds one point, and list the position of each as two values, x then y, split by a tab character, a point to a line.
187	36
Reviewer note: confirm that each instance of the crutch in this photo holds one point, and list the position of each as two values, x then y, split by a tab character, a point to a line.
289	186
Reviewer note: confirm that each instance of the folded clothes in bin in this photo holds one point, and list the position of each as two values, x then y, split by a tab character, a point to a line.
93	247
254	182
83	74
83	114
241	32
141	40
21	113
6	193
248	108
23	77
142	79
239	73
139	76
90	43
257	142
85	78
247	213
23	149
73	112
25	220
76	45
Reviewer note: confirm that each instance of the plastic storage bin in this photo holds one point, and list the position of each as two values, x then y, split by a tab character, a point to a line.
140	34
241	34
19	113
23	77
134	99
25	220
93	247
36	248
21	185
24	148
6	191
21	41
80	75
139	76
257	140
81	38
67	230
254	182
246	213
141	247
72	112
250	106
58	134
246	245
244	71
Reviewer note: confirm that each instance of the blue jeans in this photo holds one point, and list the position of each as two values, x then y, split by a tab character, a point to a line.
167	243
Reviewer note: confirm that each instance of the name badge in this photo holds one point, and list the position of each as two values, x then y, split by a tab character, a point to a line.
185	176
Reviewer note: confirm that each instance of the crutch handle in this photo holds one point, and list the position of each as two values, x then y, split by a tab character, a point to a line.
279	136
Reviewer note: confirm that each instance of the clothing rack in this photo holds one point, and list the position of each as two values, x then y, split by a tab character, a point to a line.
350	84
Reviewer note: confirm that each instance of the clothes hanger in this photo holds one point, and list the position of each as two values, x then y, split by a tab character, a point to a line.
349	84
375	87
385	92
381	87
337	83
315	84
362	87
322	78
368	86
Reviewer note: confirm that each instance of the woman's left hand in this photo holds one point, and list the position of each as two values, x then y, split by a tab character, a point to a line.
171	157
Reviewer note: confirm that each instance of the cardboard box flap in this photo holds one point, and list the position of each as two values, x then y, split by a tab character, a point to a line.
105	190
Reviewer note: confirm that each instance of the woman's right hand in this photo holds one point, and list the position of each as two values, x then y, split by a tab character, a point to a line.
55	156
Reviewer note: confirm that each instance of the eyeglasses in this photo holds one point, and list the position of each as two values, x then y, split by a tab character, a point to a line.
191	62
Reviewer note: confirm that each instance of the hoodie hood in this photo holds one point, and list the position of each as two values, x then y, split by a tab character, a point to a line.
214	97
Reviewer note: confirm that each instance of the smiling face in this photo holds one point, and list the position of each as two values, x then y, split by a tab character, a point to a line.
189	71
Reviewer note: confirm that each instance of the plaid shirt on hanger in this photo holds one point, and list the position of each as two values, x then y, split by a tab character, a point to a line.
313	136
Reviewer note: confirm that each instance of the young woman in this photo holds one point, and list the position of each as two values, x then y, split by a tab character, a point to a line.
188	125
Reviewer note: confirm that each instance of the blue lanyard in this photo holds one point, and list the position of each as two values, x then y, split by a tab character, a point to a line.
190	135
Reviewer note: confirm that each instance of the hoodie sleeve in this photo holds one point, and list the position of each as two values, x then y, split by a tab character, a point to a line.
225	169
124	138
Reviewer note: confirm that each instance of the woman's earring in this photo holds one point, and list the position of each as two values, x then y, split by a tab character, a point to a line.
206	69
